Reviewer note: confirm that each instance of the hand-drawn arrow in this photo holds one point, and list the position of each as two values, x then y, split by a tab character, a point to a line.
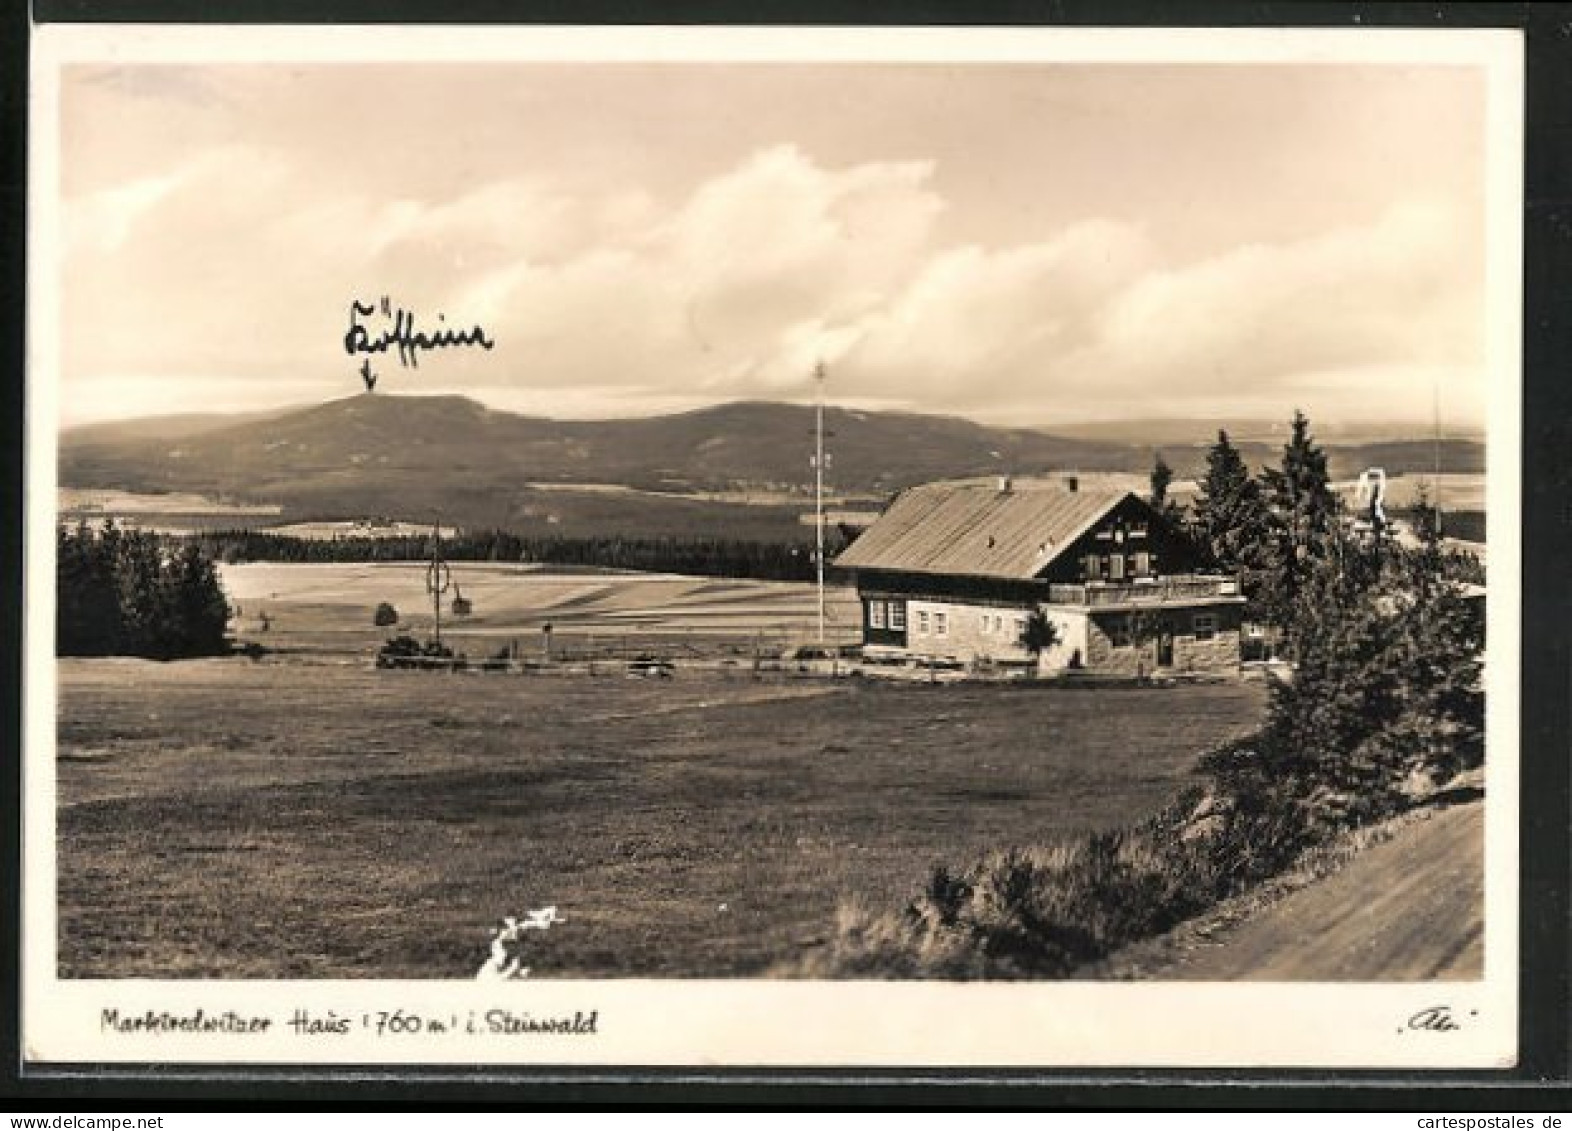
367	376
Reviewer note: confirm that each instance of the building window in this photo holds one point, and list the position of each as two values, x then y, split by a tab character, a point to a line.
1143	564
898	615
941	624
922	622
1116	567
987	623
875	614
1089	569
1205	625
1119	631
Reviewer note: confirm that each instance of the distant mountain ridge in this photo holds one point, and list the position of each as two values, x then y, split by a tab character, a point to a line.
411	456
171	426
1185	430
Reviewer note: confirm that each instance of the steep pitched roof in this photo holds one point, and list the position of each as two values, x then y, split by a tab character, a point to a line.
977	530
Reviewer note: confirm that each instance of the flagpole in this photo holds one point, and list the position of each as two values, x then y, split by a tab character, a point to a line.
818	486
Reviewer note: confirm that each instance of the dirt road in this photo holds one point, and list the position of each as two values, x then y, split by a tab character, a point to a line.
1410	908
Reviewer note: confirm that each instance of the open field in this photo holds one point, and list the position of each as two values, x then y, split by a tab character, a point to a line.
129	504
358	528
174	512
761	496
328	608
234	819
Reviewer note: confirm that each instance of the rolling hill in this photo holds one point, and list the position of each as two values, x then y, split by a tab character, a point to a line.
410	456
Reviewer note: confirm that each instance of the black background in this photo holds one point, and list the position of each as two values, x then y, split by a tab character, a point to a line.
1539	1082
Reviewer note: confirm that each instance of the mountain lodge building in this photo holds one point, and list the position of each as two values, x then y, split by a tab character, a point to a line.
954	571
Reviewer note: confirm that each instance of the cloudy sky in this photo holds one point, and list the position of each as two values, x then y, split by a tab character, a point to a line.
1027	244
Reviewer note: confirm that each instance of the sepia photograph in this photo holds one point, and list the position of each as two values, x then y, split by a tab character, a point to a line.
773	546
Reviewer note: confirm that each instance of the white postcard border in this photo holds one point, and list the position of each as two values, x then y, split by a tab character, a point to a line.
806	1024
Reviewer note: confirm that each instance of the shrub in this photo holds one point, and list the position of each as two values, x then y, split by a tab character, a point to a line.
1039	633
386	616
1044	912
407	652
499	661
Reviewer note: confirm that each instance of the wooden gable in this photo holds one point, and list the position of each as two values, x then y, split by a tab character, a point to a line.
1129	541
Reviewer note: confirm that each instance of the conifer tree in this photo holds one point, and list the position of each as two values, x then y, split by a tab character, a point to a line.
1162	475
1161	478
194	612
137	567
122	593
88	605
1230	519
1303	516
1386	687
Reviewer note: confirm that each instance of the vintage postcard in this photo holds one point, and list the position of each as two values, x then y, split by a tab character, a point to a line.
774	547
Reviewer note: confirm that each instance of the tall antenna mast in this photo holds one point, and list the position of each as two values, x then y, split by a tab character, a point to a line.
1435	410
818	484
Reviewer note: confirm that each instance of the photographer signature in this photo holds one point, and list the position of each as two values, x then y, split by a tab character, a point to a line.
1435	1019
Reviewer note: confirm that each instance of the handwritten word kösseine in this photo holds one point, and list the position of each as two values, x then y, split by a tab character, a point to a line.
403	334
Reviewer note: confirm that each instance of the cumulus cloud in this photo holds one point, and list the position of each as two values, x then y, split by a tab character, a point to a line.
1382	293
238	262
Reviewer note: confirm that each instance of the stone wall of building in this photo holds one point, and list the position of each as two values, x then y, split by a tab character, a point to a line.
1216	654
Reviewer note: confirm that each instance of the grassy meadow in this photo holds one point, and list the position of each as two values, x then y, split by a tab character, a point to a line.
314	819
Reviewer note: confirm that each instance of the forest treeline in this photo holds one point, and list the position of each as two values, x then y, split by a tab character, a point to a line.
703	557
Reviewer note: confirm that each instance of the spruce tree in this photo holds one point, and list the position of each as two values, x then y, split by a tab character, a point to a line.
1386	689
1230	518
138	567
1161	478
194	612
87	609
1303	515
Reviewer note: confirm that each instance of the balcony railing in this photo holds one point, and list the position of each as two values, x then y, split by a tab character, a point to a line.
1163	590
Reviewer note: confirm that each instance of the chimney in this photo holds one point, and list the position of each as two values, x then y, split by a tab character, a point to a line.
1004	485
1072	483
